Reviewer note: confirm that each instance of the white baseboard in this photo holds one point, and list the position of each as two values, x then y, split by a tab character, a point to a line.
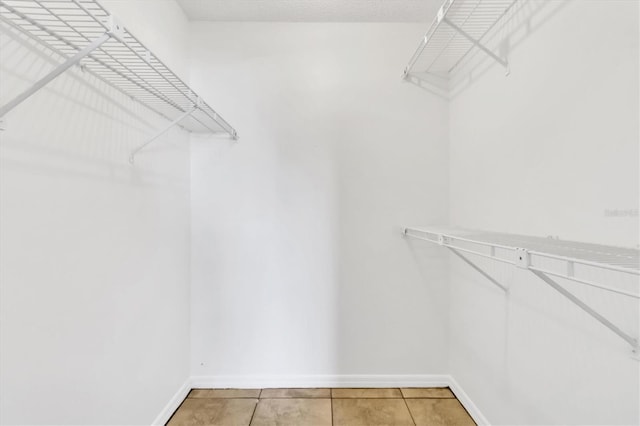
173	404
467	403
317	381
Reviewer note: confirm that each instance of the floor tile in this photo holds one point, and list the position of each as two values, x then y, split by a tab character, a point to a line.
371	412
214	412
293	412
366	393
439	412
427	393
296	393
224	393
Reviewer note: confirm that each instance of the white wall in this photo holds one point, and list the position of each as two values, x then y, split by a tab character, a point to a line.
298	267
546	151
94	253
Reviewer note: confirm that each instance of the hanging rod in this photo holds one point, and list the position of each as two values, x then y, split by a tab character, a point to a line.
83	32
527	252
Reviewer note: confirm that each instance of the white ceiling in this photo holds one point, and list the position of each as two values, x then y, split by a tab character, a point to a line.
311	10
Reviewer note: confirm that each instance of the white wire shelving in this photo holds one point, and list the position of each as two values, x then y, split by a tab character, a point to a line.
84	33
459	27
545	258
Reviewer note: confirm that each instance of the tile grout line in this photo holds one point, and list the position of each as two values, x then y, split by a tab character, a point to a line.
408	409
331	400
295	397
255	408
407	405
331	397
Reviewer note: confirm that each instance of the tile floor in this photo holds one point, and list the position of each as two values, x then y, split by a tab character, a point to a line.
319	407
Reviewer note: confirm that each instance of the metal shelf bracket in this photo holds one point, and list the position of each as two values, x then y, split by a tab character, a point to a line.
523	259
459	27
477	43
445	242
487	246
635	349
54	73
115	29
164	130
480	271
83	33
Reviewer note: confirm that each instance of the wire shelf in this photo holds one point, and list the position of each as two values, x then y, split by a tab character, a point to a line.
66	27
608	257
547	258
459	27
548	255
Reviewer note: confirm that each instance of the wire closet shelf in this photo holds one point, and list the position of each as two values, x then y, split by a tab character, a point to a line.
459	27
546	258
84	33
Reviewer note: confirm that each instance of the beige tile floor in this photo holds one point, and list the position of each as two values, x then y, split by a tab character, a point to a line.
319	407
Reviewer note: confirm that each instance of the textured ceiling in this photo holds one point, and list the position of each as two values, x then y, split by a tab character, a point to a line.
311	10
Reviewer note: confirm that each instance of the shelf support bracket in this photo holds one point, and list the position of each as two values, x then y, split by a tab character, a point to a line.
476	43
75	59
588	309
182	116
477	268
